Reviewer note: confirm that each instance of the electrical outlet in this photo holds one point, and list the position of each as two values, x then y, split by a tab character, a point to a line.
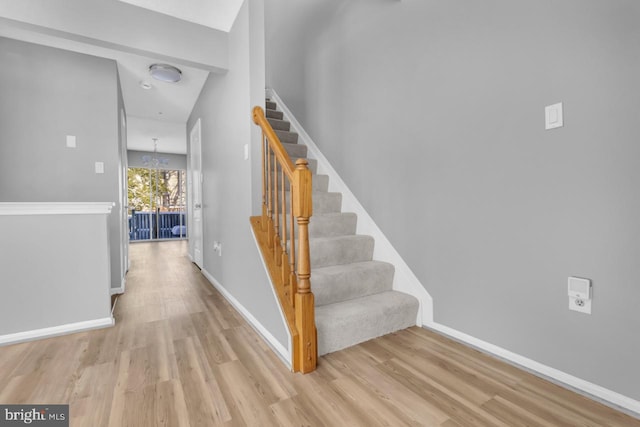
217	247
579	304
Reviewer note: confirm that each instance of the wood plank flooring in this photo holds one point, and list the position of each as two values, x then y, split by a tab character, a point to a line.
180	355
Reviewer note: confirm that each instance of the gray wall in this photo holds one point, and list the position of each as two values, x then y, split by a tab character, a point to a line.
432	112
46	94
224	107
54	273
175	161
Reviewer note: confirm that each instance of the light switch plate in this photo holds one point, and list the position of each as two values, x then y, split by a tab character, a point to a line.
553	116
71	141
246	151
99	167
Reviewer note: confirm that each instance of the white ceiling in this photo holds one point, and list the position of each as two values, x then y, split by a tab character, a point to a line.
171	136
162	111
217	14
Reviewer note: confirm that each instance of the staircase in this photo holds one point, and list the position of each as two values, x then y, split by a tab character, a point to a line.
354	300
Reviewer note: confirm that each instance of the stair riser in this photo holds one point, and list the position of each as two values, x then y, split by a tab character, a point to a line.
273	114
337	225
271	105
279	124
323	202
288	137
318	183
340	251
334	284
348	323
295	150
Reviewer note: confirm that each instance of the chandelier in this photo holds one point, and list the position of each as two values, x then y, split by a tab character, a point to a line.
154	161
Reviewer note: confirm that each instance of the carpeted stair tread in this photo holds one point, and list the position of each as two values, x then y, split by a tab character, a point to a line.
273	114
345	282
279	124
340	250
333	224
318	183
347	323
287	137
270	105
295	150
323	201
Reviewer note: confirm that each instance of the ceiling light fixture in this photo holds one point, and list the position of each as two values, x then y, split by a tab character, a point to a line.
165	73
153	161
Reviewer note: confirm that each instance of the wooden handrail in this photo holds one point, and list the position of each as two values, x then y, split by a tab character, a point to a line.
287	258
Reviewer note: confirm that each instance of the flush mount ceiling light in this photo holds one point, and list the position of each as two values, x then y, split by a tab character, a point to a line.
165	73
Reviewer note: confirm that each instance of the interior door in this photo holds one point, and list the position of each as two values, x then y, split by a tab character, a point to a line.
195	229
124	211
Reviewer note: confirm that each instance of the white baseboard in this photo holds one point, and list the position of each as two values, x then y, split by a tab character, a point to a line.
120	289
55	331
115	291
279	349
594	391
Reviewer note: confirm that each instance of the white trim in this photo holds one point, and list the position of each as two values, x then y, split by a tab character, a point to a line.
120	289
270	339
116	291
403	280
54	208
606	396
55	331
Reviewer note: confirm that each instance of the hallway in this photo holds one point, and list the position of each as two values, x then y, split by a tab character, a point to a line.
179	355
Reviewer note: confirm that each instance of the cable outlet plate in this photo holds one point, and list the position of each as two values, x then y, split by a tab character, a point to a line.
579	304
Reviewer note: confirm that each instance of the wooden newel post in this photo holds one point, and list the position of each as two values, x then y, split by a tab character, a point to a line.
307	353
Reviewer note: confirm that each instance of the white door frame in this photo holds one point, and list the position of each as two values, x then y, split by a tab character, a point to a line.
194	181
124	201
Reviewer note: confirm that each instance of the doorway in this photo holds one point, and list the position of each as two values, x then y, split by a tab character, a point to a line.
157	204
196	239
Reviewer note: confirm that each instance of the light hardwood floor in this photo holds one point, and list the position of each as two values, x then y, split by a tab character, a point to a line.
180	355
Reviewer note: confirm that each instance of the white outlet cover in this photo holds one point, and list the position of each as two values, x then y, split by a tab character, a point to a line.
576	306
99	167
553	116
71	141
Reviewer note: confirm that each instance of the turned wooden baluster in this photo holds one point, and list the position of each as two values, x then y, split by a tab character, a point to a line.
270	234
293	283
277	247
283	262
304	301
263	223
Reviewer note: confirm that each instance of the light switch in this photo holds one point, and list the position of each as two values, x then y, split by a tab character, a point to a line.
99	167
246	151
553	116
71	141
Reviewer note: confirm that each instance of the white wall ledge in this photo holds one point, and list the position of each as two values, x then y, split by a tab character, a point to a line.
55	208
